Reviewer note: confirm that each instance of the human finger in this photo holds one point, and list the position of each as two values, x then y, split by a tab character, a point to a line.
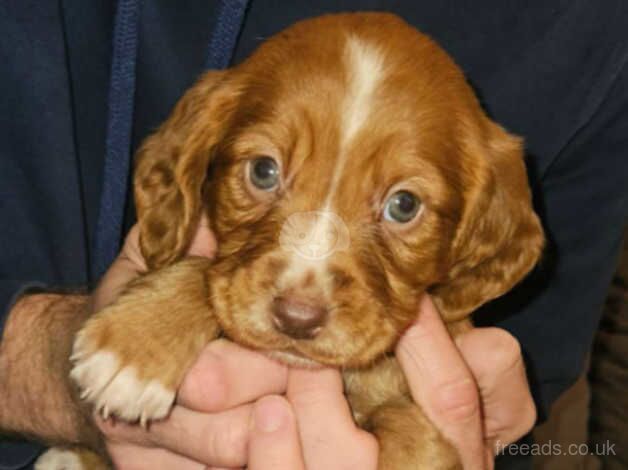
218	439
329	437
495	359
442	384
226	375
126	456
274	440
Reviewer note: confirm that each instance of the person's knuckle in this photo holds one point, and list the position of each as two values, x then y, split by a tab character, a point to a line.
518	420
457	400
414	335
276	402
503	344
528	416
309	396
229	445
206	384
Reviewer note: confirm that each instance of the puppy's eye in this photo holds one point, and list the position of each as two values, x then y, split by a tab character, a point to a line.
401	207
264	173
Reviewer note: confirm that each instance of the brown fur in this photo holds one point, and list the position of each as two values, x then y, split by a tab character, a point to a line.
476	237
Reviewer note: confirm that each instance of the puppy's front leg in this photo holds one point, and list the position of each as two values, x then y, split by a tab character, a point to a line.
408	440
130	358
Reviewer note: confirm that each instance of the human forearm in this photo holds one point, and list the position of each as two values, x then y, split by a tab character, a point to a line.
37	398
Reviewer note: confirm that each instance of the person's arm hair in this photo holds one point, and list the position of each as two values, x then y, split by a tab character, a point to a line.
38	400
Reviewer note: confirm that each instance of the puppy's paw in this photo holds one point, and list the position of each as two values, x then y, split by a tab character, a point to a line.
124	375
75	458
59	459
131	357
117	389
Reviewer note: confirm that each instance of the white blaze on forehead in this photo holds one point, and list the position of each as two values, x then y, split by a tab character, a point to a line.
364	67
320	229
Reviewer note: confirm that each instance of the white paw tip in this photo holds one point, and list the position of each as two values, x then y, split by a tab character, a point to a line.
59	459
120	391
94	372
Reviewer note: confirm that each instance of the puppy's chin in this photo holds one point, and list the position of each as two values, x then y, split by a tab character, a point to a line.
293	359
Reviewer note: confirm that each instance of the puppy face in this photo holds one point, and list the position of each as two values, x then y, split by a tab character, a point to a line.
346	168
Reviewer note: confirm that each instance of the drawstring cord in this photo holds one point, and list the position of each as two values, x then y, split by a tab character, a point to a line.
118	143
122	83
225	34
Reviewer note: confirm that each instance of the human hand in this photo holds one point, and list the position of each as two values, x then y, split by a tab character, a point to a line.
474	390
329	435
209	425
211	419
327	439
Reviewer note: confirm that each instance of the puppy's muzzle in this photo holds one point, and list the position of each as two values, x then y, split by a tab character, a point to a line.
298	318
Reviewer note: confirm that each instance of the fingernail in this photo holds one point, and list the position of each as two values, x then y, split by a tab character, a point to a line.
270	414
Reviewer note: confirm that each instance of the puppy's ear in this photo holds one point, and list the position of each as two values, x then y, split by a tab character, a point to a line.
499	238
172	164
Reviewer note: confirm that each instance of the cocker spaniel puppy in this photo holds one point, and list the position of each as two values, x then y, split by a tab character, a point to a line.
346	168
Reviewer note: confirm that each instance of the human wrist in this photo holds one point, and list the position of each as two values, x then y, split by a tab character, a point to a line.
34	386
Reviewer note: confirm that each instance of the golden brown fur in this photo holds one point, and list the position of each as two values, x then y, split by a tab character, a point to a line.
419	128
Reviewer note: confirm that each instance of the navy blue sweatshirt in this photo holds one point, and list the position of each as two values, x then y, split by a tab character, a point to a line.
553	72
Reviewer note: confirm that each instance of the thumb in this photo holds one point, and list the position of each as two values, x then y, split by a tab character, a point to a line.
274	440
130	263
204	241
127	266
442	385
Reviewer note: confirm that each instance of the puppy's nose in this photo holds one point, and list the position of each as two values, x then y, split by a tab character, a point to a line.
298	318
